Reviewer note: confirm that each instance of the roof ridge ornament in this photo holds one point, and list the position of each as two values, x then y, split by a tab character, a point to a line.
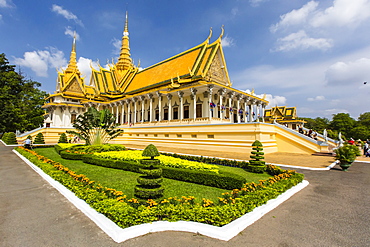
210	35
222	32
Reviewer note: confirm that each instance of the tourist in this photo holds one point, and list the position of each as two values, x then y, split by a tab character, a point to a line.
351	141
366	147
27	143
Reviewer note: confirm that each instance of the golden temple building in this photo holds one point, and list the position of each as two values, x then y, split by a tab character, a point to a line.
184	101
283	115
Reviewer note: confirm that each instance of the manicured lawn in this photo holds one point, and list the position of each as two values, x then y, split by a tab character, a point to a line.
125	181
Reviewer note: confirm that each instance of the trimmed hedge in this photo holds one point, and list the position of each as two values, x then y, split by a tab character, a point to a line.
223	180
68	155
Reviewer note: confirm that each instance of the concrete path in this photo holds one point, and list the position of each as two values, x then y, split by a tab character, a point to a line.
332	211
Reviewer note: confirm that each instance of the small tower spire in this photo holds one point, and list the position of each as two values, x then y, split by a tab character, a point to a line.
72	65
124	60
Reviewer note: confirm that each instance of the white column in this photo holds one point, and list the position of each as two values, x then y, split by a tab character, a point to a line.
263	112
257	111
238	108
210	89
245	112
221	111
142	108
194	96
150	96
135	110
181	94
251	112
129	112
159	106
231	117
169	98
122	112
117	111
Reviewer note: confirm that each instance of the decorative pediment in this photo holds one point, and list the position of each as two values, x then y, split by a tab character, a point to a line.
74	87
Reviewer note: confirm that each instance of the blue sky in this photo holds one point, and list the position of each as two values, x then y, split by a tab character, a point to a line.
314	55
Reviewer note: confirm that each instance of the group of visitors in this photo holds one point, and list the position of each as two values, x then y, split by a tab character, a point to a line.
310	133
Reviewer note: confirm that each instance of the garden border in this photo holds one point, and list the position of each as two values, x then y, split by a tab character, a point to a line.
119	235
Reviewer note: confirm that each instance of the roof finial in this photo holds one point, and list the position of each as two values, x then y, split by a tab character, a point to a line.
125	30
124	60
222	32
72	65
210	34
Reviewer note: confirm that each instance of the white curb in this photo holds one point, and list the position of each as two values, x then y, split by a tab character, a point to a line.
119	235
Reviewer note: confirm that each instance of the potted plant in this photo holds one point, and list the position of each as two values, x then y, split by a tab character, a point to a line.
346	155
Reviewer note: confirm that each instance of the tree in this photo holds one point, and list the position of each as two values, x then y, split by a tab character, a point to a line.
364	119
342	122
96	127
318	124
360	132
20	100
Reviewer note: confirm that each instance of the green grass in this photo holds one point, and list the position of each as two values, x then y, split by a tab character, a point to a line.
125	181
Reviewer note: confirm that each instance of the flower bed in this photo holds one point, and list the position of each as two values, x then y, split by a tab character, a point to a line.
165	160
128	212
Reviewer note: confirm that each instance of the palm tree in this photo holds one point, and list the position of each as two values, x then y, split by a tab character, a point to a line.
96	127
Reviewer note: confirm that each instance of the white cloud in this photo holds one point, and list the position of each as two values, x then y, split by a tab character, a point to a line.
273	100
256	3
117	46
66	14
40	61
227	41
317	98
301	41
295	17
83	65
6	4
343	13
71	33
349	73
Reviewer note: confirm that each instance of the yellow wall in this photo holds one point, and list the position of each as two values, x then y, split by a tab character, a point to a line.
222	137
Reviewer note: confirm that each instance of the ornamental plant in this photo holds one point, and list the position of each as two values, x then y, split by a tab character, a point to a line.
347	153
39	139
96	127
11	139
149	186
257	165
63	138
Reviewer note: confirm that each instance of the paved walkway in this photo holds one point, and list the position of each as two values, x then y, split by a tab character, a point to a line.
332	211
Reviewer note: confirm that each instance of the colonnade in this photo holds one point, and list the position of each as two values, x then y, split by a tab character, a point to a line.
196	103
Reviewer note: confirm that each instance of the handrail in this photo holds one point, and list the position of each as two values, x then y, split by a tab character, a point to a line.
301	135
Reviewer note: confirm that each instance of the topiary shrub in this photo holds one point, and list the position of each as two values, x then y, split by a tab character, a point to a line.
149	186
11	139
257	165
63	138
39	139
4	138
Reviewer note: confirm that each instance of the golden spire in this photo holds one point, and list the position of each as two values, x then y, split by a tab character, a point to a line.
124	60
72	65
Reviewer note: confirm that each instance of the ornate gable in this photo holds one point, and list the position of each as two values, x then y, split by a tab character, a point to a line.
217	71
74	87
